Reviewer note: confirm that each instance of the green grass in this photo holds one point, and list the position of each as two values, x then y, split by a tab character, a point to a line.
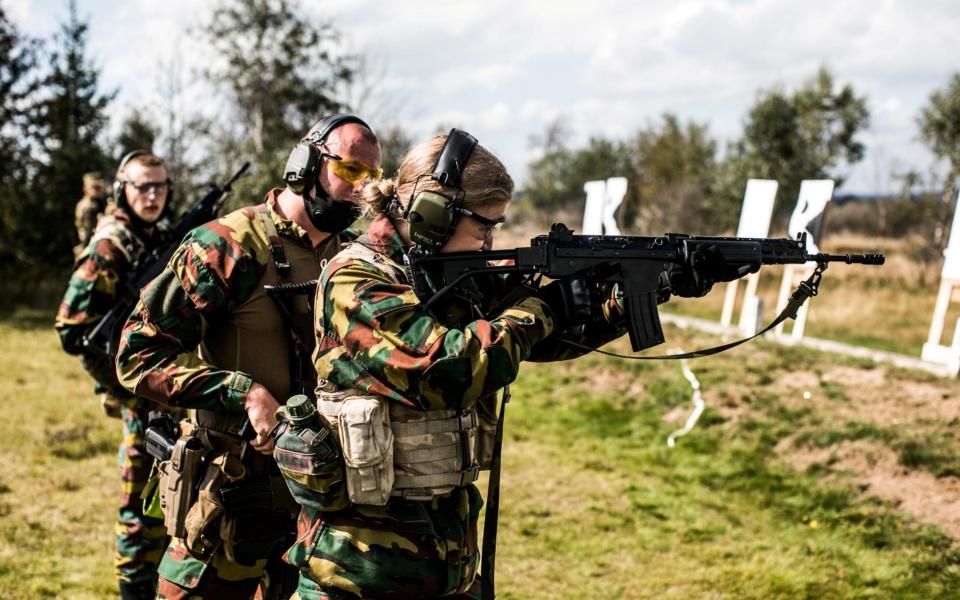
60	481
594	504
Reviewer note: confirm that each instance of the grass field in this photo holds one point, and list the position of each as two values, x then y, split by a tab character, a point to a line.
809	476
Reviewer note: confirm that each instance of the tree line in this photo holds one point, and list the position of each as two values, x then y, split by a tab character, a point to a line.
278	70
680	180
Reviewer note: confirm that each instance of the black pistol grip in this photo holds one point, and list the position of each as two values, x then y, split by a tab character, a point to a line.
643	320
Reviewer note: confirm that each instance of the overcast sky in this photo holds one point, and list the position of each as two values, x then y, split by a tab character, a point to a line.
504	69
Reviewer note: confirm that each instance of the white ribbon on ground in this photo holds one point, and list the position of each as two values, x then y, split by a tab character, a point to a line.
696	398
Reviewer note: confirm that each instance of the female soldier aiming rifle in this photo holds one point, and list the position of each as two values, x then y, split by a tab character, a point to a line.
412	397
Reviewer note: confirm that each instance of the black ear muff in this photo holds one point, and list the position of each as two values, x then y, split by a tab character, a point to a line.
303	168
433	216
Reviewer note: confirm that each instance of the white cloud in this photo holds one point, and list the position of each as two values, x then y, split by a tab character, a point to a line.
506	68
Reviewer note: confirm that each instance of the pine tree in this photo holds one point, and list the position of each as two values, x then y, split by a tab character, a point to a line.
71	120
19	82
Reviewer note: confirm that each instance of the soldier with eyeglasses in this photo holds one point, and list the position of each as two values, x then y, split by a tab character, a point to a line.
121	240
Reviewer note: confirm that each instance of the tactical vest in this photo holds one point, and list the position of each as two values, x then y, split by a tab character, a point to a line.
254	338
390	449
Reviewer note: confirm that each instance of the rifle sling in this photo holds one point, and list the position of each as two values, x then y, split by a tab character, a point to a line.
488	554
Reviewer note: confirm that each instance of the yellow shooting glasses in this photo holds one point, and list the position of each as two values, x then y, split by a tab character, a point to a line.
353	171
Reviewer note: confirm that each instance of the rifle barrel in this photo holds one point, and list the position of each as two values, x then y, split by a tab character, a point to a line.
861	259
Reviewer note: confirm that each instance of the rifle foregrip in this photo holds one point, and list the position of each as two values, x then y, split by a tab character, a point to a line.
643	320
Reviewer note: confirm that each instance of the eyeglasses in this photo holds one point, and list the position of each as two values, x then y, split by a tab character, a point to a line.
490	226
352	171
148	186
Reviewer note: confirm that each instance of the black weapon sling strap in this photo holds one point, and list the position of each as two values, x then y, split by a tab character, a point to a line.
807	289
488	552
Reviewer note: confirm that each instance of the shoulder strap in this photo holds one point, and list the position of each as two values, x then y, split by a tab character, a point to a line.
276	246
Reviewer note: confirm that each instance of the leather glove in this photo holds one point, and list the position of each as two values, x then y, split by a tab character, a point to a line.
571	301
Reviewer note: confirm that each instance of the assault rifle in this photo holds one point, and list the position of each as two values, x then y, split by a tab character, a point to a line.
102	340
647	269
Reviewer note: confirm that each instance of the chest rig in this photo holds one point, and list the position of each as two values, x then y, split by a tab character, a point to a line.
294	301
269	335
392	450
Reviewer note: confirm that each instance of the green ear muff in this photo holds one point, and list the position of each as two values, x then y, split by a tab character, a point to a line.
432	219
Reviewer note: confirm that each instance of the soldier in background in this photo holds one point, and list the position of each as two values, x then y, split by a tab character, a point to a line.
141	192
89	209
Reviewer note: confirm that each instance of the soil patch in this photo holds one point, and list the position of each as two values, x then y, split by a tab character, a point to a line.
875	468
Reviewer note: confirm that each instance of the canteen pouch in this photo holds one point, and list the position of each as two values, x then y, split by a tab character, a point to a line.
363	426
178	477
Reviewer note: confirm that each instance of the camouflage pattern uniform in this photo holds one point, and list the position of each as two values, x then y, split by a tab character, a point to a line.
210	279
373	335
100	276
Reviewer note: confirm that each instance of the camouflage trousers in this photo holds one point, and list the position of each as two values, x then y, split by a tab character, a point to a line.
309	590
406	549
257	570
140	539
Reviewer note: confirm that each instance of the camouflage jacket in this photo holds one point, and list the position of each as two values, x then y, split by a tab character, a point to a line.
216	268
100	276
374	335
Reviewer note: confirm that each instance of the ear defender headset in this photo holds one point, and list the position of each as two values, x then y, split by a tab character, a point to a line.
120	193
433	216
302	172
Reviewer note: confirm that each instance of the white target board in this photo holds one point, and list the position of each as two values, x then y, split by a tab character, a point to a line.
806	218
757	208
604	197
933	350
755	215
951	255
811	202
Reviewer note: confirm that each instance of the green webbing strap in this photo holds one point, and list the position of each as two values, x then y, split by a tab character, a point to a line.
448	425
276	247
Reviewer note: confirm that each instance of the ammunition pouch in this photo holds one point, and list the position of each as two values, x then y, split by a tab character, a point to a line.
393	450
366	441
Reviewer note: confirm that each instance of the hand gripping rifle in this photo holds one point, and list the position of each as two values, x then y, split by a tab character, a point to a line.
103	339
647	269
